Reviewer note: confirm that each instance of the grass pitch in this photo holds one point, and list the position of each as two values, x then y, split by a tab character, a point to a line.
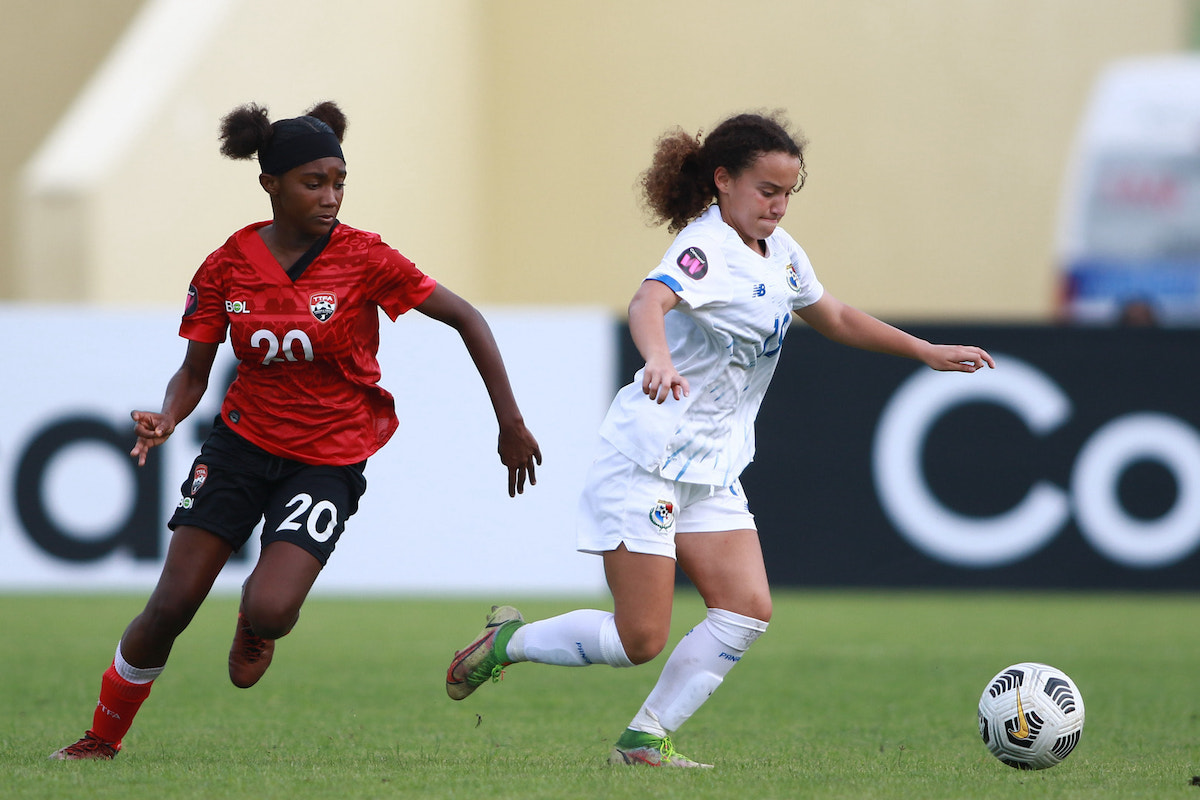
848	695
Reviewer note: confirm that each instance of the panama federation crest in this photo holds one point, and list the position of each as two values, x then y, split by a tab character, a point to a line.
793	278
663	515
322	305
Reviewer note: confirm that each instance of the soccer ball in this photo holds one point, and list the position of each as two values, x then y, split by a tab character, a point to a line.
1031	716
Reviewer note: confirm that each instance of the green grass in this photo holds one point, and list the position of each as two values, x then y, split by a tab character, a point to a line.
849	695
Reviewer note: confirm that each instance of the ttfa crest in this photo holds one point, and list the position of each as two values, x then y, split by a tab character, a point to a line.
198	477
322	305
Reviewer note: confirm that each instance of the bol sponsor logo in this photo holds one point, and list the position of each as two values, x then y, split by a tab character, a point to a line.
237	307
1092	497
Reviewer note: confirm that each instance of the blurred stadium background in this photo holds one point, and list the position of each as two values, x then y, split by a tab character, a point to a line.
497	143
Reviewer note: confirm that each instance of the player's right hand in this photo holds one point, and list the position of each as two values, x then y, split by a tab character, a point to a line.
520	453
660	381
152	429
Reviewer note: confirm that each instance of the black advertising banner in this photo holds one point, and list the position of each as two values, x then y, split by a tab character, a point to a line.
1074	464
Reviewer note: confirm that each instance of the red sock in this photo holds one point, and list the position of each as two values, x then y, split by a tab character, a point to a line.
119	702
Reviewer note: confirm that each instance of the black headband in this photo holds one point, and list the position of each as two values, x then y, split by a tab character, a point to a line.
298	141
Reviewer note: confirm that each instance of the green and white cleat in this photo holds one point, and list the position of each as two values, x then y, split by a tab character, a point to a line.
478	662
636	747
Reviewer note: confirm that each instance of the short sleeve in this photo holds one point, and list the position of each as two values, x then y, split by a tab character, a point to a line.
802	279
204	316
694	268
398	285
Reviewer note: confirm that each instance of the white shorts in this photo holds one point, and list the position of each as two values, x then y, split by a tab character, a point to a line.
622	502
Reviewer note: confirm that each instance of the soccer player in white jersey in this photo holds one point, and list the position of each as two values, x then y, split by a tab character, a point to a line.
710	321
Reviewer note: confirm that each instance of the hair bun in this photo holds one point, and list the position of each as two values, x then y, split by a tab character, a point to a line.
244	131
331	114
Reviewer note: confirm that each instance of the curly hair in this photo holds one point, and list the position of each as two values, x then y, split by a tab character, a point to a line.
679	183
247	129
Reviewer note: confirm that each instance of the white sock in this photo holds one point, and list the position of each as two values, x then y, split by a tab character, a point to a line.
134	674
696	667
575	639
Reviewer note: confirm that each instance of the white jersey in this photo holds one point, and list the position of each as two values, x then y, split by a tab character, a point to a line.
725	337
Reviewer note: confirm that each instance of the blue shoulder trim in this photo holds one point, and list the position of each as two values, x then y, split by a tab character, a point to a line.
668	281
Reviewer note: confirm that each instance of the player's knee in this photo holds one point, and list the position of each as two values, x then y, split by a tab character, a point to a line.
760	608
643	645
756	606
270	620
641	655
273	625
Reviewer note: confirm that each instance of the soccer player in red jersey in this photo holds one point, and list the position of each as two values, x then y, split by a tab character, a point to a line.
298	297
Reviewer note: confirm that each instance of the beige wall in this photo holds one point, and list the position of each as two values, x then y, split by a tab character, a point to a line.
497	142
407	79
48	48
938	132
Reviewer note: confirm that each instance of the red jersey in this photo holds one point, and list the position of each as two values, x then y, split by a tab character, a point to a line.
307	378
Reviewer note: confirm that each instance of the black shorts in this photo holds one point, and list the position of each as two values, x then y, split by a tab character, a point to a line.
234	484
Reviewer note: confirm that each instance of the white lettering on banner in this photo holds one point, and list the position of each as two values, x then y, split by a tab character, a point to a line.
916	511
1006	538
1102	520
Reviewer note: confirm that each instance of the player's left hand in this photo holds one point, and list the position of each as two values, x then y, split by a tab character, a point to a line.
519	452
958	358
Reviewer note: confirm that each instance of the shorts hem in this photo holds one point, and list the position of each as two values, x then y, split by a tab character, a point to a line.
312	549
642	548
749	526
208	527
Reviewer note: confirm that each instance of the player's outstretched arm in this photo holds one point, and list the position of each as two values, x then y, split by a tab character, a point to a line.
184	391
847	325
518	449
958	358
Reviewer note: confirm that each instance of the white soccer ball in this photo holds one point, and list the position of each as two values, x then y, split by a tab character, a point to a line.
1031	716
